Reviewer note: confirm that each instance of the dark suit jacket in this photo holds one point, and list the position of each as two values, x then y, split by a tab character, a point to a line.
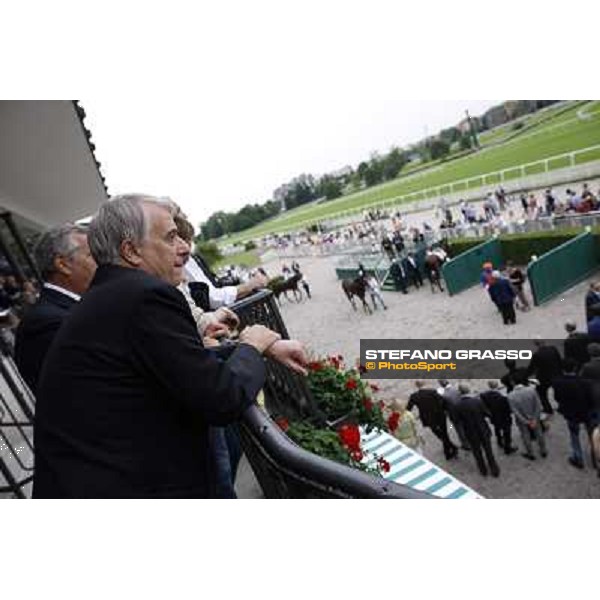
36	332
546	364
576	347
430	405
573	395
127	394
472	413
497	406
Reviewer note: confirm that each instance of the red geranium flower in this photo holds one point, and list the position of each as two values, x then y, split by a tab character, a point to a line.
384	465
357	455
340	358
315	366
367	403
350	436
374	387
282	423
393	421
351	384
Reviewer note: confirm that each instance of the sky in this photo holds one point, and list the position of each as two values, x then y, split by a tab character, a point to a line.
222	151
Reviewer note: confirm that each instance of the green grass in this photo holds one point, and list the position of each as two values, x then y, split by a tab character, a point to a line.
248	259
557	135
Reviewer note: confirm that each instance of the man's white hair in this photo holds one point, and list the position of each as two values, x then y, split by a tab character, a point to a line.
118	220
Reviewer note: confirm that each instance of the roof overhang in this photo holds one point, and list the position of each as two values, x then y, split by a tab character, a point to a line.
48	171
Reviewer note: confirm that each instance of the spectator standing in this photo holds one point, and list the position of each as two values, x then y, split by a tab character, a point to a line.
472	413
527	409
452	401
573	395
575	345
431	412
503	296
545	365
500	415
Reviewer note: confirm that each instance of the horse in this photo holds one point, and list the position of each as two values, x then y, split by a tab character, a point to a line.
282	286
433	268
356	287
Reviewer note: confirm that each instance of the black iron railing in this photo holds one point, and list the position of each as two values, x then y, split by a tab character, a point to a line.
283	469
17	407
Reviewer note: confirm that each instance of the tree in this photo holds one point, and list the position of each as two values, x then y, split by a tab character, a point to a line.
393	163
465	142
438	149
209	250
330	187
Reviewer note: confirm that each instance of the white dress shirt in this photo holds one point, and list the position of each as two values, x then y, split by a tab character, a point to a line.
224	296
62	290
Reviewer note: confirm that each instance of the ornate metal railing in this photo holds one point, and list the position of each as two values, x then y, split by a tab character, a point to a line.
283	469
16	431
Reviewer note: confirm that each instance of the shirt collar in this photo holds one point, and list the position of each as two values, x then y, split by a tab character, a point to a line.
62	290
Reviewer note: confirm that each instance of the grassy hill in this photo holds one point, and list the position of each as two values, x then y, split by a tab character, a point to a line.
543	135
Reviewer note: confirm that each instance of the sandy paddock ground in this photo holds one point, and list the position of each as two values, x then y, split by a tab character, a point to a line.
327	324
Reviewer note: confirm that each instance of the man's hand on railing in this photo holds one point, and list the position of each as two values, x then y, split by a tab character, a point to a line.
259	336
290	353
227	317
259	281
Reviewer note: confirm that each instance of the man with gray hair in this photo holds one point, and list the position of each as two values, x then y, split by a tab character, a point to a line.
128	391
472	414
63	257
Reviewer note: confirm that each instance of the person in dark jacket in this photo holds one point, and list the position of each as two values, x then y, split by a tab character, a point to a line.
573	395
503	296
432	415
545	365
67	267
575	345
508	379
128	391
498	408
399	276
472	413
591	298
412	269
452	400
593	326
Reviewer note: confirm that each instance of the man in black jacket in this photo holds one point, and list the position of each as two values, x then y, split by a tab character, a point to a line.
576	344
498	408
472	413
128	391
67	267
573	395
545	365
432	415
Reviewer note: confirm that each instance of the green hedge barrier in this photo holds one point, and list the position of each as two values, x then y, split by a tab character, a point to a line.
519	247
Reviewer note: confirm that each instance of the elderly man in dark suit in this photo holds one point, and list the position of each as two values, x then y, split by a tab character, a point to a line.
472	413
432	415
63	257
574	398
545	365
128	391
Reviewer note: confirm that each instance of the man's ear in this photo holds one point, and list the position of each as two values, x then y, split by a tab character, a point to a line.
130	253
61	265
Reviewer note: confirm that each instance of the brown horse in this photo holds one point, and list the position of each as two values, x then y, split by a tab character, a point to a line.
433	268
283	286
356	287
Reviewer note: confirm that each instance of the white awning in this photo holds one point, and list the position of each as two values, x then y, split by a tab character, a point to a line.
48	172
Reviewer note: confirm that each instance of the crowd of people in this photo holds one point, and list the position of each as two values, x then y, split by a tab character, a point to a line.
520	399
138	366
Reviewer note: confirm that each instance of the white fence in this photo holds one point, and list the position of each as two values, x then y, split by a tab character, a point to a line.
512	179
